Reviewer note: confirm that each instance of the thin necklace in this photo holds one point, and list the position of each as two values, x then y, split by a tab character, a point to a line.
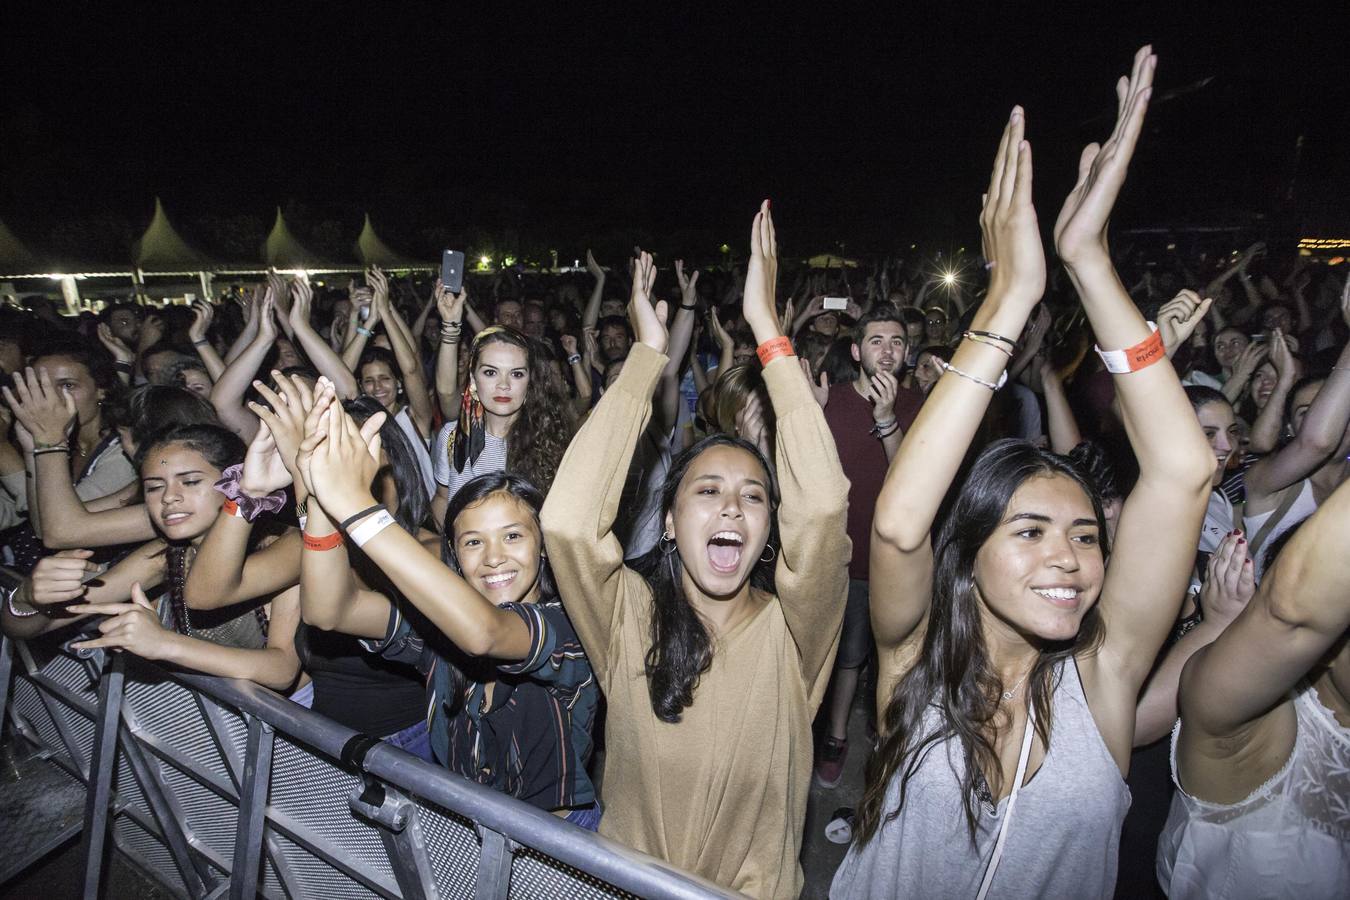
1010	692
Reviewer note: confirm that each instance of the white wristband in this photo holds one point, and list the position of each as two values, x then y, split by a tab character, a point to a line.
369	527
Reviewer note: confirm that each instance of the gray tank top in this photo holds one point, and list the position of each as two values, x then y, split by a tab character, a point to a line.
1062	842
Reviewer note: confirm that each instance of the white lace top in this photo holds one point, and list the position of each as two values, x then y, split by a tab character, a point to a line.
1288	838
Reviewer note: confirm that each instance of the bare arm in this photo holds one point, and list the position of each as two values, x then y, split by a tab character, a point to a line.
1155	541
1321	433
451	309
250	330
1270	420
227	396
202	314
1301	608
591	315
926	465
68	525
324	358
67	578
409	363
1229	584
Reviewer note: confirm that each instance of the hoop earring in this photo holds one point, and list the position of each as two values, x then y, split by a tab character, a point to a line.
667	543
773	554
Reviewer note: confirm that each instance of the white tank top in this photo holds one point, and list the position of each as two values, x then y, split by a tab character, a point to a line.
1290	838
404	421
1062	842
1305	504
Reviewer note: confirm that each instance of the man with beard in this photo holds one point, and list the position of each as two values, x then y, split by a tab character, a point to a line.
867	416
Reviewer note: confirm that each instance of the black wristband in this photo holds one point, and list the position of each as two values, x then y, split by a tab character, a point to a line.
691	306
352	519
122	366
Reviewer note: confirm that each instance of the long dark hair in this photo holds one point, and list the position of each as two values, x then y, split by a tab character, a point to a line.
541	432
471	494
413	502
681	649
953	674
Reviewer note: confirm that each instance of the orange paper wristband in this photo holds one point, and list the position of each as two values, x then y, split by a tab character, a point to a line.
231	508
774	348
327	542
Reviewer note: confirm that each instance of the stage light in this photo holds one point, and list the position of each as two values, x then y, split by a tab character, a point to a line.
949	278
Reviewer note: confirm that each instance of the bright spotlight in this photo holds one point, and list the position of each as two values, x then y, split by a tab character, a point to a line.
949	278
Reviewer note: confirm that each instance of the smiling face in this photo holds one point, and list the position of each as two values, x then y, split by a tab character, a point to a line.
1263	384
499	548
882	348
379	382
1228	346
1221	430
501	377
1041	570
180	496
720	519
74	380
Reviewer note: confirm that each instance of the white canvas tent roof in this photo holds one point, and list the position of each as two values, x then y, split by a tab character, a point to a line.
161	248
281	249
372	251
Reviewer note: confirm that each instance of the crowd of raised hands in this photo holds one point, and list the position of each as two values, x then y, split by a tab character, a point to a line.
1112	482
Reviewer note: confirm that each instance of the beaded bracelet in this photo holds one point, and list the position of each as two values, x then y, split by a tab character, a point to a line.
948	367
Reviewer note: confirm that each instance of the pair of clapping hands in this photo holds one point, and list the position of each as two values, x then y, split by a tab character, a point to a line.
306	438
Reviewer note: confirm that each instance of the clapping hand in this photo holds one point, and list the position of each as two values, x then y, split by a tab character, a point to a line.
1080	231
202	314
302	299
1012	238
761	278
1230	580
688	284
344	462
649	324
594	267
270	464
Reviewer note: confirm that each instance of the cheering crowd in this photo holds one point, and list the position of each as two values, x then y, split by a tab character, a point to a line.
1056	514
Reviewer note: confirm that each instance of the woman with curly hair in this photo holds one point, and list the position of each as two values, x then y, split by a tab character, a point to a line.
514	412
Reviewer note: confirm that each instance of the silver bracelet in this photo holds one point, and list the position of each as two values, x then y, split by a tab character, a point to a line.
13	611
948	367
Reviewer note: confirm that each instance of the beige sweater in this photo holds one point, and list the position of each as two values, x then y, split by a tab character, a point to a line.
723	792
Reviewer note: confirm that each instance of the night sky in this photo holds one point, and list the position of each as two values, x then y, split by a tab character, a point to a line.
871	129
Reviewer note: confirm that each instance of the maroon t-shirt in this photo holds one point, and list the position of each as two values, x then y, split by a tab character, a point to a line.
864	459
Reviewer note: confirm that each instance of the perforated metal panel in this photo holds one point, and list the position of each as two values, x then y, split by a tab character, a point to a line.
312	794
318	879
538	877
167	711
452	847
148	850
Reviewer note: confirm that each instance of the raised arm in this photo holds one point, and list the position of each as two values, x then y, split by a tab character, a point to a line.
405	353
1321	432
578	517
250	329
930	455
667	401
1230	582
591	315
1269	422
342	468
1155	542
451	309
324	358
811	575
227	396
1301	609
202	314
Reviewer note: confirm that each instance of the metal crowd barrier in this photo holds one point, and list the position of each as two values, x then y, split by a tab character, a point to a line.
218	787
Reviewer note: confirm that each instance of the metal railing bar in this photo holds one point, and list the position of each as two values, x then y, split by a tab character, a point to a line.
168	814
102	764
245	871
494	866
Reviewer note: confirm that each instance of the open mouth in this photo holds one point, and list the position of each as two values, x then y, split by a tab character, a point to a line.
499	581
724	551
176	518
1066	597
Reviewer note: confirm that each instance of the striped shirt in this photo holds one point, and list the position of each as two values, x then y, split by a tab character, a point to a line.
492	459
534	741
